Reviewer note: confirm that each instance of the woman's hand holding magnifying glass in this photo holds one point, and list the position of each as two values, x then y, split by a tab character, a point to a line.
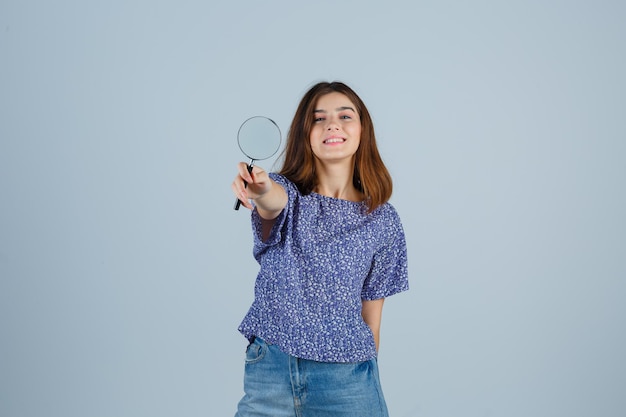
251	183
270	198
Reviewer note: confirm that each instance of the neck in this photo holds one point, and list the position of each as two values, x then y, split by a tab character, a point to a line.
336	181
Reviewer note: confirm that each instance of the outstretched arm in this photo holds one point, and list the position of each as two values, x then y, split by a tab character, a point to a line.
372	313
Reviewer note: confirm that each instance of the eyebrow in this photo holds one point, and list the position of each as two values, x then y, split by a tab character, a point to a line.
337	109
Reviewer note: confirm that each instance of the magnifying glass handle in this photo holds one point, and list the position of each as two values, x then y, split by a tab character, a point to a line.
245	184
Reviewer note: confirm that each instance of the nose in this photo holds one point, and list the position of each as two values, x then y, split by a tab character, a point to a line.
332	125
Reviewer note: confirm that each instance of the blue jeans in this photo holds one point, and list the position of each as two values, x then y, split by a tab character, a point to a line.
280	385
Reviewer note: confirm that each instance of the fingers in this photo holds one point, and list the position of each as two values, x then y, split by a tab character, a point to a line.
240	191
251	175
256	177
242	168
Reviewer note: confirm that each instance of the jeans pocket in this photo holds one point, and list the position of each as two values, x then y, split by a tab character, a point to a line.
255	351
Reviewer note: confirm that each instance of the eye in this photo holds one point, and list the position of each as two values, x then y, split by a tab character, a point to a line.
318	119
345	116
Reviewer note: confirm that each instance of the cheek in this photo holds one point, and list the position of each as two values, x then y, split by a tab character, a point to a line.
316	131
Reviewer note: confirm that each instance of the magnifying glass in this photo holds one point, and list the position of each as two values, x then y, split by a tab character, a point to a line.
258	138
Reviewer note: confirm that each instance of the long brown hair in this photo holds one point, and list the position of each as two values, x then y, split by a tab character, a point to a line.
371	177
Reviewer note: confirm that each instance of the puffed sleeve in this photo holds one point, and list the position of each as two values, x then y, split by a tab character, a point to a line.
389	272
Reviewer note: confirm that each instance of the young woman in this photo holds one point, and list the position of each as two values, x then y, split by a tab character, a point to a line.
331	249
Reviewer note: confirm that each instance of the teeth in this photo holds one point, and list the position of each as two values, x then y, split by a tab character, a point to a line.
333	140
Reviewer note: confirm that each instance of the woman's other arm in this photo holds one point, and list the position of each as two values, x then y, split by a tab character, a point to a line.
372	312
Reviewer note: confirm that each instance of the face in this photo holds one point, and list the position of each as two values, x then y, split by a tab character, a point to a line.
336	132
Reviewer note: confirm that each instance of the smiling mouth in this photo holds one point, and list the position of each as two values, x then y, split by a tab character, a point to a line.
334	140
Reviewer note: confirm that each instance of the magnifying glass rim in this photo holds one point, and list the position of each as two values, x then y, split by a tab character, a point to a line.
280	137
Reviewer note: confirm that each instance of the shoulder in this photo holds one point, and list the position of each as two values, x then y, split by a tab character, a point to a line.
388	221
387	211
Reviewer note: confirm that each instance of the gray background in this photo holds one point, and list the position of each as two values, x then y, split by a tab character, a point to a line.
124	271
